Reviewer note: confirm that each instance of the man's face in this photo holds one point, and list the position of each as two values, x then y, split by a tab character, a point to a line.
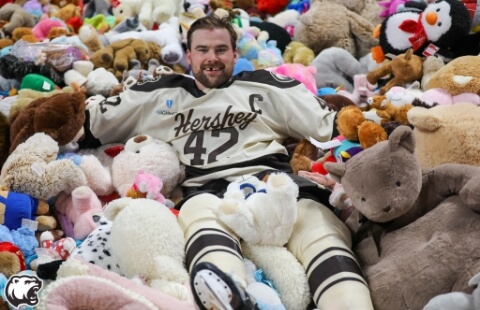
211	57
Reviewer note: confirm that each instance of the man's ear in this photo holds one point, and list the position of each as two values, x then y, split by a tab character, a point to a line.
187	53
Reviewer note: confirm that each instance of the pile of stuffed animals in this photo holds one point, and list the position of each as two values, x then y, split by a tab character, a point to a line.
404	76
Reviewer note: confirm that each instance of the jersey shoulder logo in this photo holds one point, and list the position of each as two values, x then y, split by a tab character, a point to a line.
281	78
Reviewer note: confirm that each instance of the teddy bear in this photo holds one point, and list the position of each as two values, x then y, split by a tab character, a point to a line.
12	258
167	36
354	126
148	227
405	68
115	57
418	231
448	76
449	128
78	212
17	207
337	24
151	156
32	169
149	12
263	214
19	33
16	17
61	116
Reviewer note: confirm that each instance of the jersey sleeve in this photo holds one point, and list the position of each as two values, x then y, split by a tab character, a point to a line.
307	115
117	118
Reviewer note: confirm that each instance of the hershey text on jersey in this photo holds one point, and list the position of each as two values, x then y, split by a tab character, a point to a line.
221	120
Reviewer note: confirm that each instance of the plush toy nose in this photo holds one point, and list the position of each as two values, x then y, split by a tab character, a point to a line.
431	18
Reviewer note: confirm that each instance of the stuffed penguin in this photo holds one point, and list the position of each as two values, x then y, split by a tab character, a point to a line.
442	28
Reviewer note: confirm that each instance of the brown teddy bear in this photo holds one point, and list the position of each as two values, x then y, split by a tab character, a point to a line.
61	116
117	56
20	33
447	76
352	124
405	68
339	23
446	134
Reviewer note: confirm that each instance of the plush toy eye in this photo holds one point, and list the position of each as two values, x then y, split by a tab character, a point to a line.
398	183
438	10
439	24
137	152
363	199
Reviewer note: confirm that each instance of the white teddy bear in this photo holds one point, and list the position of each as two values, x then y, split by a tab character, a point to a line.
148	243
263	214
150	156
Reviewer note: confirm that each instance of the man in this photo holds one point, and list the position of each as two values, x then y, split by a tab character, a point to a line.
224	128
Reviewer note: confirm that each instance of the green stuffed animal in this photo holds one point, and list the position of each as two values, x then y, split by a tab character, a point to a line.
413	227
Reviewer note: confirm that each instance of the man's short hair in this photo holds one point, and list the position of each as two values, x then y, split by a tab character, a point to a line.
213	22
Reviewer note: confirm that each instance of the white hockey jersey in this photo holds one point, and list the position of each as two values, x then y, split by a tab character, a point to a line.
230	131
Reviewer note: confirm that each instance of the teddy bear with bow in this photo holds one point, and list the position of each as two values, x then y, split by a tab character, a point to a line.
418	231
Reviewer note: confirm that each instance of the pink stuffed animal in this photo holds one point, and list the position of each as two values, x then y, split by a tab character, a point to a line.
79	212
442	97
148	186
362	90
42	28
299	72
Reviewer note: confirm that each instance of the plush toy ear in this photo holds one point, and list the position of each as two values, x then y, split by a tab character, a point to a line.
115	207
424	119
336	170
402	136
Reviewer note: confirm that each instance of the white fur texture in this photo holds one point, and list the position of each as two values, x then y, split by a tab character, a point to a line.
262	218
167	36
284	270
32	169
155	157
147	241
100	81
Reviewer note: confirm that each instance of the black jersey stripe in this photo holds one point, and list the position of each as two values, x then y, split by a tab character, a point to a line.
266	77
325	252
214	241
332	266
169	81
317	300
275	161
212	230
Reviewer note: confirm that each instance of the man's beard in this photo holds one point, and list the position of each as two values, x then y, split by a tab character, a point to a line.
209	83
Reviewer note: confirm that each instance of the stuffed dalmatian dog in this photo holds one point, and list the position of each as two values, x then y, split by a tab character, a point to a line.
95	248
